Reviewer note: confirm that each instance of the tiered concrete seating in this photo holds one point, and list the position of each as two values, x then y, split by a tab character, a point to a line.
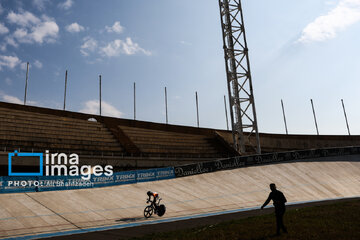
156	142
31	131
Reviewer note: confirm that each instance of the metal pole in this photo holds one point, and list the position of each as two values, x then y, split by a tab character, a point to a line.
134	101
347	124
66	73
226	116
282	106
197	109
26	81
312	105
166	107
100	94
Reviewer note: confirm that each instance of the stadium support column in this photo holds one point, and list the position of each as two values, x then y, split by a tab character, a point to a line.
241	97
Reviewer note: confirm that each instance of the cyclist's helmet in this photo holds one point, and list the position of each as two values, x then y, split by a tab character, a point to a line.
149	193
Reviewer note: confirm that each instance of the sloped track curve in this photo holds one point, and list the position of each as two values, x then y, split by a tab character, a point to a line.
28	214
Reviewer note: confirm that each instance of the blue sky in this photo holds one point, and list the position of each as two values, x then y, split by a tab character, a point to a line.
298	50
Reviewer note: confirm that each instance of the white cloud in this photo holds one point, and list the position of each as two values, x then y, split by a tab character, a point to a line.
43	32
67	4
11	41
32	29
20	33
88	46
330	2
46	31
38	64
127	47
92	107
345	13
8	41
23	19
74	27
10	99
116	28
9	61
3	29
40	4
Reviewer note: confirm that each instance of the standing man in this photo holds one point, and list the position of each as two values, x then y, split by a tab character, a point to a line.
279	201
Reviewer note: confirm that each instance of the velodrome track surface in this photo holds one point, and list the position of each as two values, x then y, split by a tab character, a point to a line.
74	211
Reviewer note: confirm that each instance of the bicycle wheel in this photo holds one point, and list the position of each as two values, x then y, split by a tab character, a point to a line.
148	211
161	210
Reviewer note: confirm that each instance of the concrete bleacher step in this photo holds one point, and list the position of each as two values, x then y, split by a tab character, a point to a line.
45	123
149	132
56	135
57	141
50	145
59	148
60	133
164	135
176	146
178	150
29	130
26	128
35	115
165	142
52	122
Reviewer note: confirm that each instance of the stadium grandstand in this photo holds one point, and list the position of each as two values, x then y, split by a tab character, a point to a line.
130	144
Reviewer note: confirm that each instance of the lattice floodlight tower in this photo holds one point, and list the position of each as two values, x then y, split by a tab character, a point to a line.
241	97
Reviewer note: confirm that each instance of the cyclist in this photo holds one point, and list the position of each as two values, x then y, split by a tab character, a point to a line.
152	197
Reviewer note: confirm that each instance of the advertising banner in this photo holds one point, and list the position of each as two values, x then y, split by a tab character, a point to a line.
238	162
13	184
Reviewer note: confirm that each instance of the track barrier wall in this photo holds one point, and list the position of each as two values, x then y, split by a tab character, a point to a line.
54	183
237	162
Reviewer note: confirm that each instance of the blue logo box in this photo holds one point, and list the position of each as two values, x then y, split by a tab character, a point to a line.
24	154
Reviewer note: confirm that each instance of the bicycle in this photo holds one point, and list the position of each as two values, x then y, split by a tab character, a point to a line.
154	207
